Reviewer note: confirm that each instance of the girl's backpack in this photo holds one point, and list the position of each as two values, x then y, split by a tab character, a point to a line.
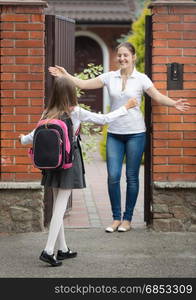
52	144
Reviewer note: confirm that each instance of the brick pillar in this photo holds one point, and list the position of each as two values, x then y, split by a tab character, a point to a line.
174	138
22	99
22	84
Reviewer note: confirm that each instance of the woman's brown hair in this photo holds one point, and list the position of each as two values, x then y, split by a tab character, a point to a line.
127	45
62	99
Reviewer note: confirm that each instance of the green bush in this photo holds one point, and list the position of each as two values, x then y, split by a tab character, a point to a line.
90	72
102	143
88	130
137	38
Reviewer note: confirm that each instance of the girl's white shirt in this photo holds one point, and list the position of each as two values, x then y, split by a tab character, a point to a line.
137	83
79	115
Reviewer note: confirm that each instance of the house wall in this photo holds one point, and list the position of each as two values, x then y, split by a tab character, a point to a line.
174	139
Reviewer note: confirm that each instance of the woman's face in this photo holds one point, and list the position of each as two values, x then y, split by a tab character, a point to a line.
125	58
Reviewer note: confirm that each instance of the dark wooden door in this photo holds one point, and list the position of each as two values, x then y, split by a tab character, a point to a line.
88	51
148	121
59	50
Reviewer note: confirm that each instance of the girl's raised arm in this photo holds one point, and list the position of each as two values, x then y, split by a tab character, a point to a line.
87	116
26	139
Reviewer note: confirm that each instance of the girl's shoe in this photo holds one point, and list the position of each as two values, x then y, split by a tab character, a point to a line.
51	259
125	226
64	255
113	227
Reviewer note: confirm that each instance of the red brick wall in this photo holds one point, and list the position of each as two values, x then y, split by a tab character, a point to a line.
22	85
174	138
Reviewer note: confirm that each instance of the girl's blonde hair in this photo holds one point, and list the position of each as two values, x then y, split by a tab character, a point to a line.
62	99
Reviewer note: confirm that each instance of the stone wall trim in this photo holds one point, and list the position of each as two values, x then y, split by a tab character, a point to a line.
24	3
174	184
171	3
20	185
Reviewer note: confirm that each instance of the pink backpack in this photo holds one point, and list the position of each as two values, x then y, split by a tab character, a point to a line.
52	144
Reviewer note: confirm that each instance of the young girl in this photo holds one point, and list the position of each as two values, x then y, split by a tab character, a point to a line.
63	104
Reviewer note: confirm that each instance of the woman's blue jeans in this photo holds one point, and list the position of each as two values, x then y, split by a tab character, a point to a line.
132	147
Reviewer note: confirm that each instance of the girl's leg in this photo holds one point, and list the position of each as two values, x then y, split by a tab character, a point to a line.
134	149
61	236
115	150
57	218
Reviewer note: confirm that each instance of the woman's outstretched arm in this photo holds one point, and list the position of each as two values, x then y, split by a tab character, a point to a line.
89	84
180	104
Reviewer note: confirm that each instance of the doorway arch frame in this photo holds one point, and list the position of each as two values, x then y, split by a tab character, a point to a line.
105	54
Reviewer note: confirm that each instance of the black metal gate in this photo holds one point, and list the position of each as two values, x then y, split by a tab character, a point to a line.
148	121
59	46
59	50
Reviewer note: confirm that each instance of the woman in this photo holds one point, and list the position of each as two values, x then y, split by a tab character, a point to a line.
126	136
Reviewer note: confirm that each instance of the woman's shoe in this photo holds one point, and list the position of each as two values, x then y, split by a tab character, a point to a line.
113	227
51	259
125	226
64	255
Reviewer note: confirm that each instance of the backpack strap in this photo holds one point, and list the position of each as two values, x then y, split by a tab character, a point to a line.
78	130
77	133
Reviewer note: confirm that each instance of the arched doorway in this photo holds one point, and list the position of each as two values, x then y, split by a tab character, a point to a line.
87	50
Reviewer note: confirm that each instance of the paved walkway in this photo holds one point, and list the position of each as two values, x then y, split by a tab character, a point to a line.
91	206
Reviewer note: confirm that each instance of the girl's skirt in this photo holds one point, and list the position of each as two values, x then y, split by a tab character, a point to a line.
72	178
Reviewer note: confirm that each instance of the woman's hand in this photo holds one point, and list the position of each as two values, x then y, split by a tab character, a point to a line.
20	137
132	102
182	105
57	71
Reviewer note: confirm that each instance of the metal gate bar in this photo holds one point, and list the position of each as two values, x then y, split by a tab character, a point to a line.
148	121
59	50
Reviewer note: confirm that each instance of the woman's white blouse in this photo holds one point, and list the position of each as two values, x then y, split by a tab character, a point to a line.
137	83
79	115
